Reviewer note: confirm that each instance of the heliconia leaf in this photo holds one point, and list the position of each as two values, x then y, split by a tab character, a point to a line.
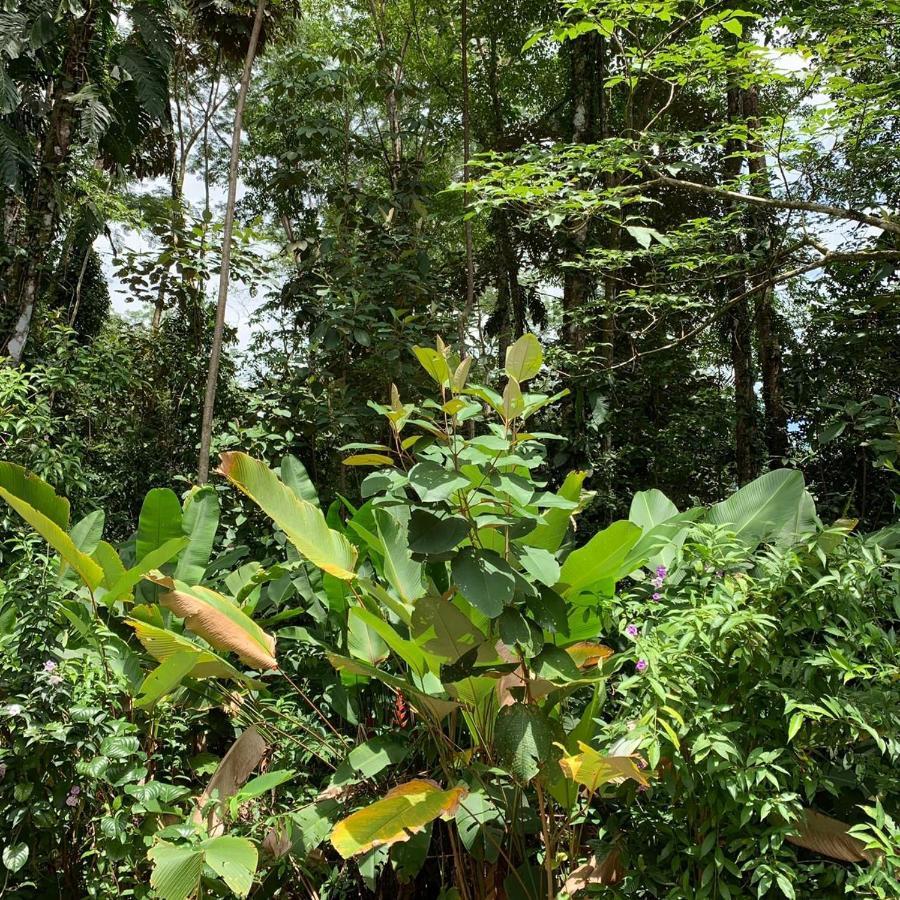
368	459
35	492
601	558
21	490
161	643
222	623
524	358
303	523
775	505
402	812
165	678
113	568
587	654
199	522
295	476
550	534
152	560
87	532
829	837
233	859
176	870
236	766
159	521
592	769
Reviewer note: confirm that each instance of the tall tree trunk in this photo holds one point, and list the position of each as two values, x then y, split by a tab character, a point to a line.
585	72
227	231
28	273
740	329
767	330
469	303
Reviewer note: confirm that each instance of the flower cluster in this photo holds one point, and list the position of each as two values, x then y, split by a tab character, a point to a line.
50	668
72	799
661	572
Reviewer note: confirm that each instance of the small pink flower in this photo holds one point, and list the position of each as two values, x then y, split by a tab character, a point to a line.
661	572
71	800
656	596
74	790
55	680
14	709
641	665
50	666
632	631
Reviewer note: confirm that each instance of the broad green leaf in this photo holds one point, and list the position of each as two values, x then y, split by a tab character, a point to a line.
432	482
524	358
485	579
233	859
402	812
266	782
431	534
30	487
552	532
649	508
176	870
403	573
165	678
772	505
113	568
592	769
86	533
409	857
160	521
513	401
481	826
411	654
364	643
220	622
601	559
295	476
435	364
540	564
522	739
302	522
152	560
376	754
199	522
442	629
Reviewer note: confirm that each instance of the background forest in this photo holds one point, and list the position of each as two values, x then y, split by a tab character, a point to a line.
558	344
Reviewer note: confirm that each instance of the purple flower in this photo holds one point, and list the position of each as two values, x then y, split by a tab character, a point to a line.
656	596
74	791
657	582
50	666
632	631
55	680
641	665
661	572
13	709
71	800
719	573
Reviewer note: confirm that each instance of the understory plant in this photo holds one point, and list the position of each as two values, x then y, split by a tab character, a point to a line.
451	689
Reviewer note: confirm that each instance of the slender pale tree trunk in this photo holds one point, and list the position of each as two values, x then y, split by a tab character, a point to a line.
215	355
469	304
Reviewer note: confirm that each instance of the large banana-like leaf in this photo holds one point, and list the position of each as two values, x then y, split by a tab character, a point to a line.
126	580
402	812
775	505
550	534
303	523
601	559
161	644
221	622
199	522
592	769
159	521
829	837
48	513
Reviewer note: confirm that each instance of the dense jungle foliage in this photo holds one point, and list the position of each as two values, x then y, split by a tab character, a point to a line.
449	449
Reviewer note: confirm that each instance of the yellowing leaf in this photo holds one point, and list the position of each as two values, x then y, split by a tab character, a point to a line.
222	623
434	363
587	654
303	523
593	769
829	837
395	818
368	459
524	358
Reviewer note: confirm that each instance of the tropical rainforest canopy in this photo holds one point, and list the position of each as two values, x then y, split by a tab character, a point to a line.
449	449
